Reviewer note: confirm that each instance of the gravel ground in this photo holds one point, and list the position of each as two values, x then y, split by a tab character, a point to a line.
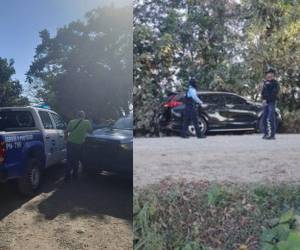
239	159
94	212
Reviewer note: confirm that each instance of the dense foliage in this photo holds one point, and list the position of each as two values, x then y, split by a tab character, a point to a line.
87	65
224	44
201	215
10	89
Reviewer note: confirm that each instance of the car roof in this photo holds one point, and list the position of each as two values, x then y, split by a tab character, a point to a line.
27	108
209	92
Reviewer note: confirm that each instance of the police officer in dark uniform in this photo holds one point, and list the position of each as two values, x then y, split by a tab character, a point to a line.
191	112
269	95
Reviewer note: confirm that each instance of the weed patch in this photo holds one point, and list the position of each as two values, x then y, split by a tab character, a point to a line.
203	215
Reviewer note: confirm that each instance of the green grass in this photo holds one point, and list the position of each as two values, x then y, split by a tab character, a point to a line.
202	215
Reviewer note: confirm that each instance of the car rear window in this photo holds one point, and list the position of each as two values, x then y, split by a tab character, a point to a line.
16	120
170	97
179	97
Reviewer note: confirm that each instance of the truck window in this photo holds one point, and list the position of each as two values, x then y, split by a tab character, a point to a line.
59	122
46	120
16	120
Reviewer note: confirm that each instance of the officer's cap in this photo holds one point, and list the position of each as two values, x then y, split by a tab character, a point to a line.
193	82
272	71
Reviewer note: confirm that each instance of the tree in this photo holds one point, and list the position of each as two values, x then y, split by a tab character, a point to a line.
10	90
87	65
174	40
224	44
272	30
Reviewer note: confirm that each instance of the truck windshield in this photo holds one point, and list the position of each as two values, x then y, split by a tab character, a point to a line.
16	120
123	123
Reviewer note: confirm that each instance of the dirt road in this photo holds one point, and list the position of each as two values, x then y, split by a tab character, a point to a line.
92	213
245	158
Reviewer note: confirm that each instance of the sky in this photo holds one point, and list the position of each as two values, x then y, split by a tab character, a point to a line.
22	20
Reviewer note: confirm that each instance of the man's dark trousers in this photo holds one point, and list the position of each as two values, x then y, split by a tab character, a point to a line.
190	115
74	152
269	119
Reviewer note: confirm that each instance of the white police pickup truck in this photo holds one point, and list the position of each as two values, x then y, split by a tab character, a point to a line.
31	139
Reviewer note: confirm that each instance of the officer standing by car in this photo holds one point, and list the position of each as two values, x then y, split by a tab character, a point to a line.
269	95
76	132
191	112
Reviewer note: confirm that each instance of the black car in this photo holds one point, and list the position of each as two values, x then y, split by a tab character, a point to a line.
224	112
110	149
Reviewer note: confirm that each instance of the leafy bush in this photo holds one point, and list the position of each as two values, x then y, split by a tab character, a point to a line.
291	122
203	215
284	234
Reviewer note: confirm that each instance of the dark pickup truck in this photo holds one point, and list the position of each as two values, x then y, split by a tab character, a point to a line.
110	149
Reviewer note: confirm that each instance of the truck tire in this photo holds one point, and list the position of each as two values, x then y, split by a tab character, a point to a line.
30	182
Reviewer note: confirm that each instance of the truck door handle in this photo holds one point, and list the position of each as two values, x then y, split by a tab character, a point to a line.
47	137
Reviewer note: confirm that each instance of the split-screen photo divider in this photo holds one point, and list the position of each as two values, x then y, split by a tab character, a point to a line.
150	125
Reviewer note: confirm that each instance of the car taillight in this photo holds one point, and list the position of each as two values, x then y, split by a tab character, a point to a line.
2	152
172	104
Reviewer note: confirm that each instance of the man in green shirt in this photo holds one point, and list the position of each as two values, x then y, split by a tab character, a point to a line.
77	130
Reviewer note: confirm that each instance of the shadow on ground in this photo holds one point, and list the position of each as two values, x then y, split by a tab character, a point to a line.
94	195
11	200
97	195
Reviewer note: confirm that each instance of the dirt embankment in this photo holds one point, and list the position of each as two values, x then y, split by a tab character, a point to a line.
92	213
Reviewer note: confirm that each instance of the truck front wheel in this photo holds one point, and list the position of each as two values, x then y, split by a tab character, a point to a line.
31	180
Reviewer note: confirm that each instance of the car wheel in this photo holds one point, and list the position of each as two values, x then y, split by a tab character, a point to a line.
202	125
31	180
